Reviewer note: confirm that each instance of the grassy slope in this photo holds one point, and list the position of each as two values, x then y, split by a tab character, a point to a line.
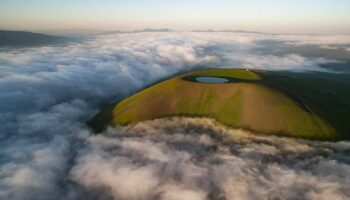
243	103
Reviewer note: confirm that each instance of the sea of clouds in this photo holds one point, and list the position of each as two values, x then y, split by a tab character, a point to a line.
47	94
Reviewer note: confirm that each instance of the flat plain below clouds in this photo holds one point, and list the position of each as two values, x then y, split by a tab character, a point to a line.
49	92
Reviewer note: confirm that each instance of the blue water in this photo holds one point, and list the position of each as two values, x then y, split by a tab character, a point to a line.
208	79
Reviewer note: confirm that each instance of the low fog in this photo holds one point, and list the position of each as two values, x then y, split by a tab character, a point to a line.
47	94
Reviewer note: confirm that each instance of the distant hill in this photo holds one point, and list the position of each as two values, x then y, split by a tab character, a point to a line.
263	102
228	31
152	30
147	30
23	38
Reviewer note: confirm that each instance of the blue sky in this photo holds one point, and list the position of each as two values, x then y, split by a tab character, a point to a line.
297	16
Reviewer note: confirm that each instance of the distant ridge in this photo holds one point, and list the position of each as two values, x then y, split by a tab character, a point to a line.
146	30
247	31
24	38
153	30
229	31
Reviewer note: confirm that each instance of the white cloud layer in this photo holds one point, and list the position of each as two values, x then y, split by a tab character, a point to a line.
47	152
316	39
198	159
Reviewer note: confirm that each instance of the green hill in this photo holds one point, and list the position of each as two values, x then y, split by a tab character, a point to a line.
262	102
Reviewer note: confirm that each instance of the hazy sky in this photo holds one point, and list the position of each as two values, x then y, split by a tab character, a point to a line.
293	16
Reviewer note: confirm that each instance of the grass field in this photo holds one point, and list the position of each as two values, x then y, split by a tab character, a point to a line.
263	102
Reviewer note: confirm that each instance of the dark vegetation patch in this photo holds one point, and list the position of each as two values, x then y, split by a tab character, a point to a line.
324	93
